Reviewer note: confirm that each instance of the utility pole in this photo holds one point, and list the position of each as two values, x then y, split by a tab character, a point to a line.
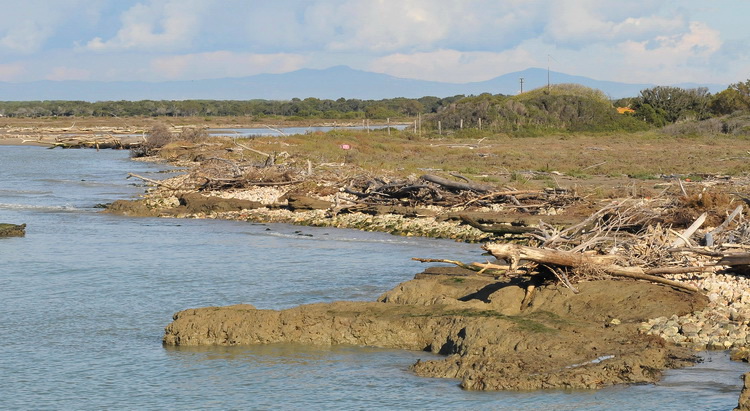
521	81
548	82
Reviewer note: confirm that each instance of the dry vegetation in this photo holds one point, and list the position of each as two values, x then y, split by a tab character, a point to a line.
590	159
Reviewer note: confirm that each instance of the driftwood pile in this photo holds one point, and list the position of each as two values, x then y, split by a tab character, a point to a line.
623	239
632	238
435	190
96	142
216	171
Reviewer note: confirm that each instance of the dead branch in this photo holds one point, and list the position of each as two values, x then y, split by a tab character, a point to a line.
711	236
516	253
502	194
479	268
562	277
460	177
252	149
700	251
154	182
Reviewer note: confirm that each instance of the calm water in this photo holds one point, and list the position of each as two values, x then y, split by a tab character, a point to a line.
265	131
84	298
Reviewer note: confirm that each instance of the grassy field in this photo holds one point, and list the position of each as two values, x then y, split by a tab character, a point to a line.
640	156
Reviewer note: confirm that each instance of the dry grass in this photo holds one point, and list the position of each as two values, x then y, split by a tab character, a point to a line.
640	156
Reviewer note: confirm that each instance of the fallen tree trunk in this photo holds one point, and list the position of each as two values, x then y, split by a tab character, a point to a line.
497	229
455	185
515	253
733	260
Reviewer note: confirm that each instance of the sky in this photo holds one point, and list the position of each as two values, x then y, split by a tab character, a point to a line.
457	41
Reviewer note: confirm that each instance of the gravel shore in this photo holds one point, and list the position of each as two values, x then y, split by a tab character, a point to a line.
723	324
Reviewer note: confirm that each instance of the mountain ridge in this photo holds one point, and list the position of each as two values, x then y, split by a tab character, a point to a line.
331	83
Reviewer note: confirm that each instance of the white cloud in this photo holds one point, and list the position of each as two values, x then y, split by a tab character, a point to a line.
673	58
452	65
220	64
62	73
11	71
25	37
159	25
578	23
26	25
388	26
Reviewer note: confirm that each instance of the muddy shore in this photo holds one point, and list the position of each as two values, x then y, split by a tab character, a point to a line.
488	342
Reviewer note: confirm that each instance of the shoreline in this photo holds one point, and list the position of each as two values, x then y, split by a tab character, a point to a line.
721	324
725	324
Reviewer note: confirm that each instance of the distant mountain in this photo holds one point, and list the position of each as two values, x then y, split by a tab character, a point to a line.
331	83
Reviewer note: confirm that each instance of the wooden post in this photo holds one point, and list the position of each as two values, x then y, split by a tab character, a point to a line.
461	124
480	123
388	125
440	127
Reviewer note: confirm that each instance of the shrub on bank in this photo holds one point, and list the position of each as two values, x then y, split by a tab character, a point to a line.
160	135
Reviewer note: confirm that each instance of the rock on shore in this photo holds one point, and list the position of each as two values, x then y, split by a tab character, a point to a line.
723	324
12	230
563	340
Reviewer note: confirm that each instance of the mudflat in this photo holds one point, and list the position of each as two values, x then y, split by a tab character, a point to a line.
486	338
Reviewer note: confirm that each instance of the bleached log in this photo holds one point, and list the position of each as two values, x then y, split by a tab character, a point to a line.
684	238
498	229
515	253
455	185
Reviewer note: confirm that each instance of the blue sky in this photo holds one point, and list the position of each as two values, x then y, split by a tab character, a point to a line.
636	41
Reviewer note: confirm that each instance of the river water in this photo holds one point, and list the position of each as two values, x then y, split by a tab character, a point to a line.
85	296
286	131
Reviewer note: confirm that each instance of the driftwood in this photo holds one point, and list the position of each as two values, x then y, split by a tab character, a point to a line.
374	209
684	237
515	253
516	219
503	194
711	236
480	268
455	185
296	202
497	229
733	260
152	181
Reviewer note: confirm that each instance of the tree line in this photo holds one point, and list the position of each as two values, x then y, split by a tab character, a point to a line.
303	108
561	107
